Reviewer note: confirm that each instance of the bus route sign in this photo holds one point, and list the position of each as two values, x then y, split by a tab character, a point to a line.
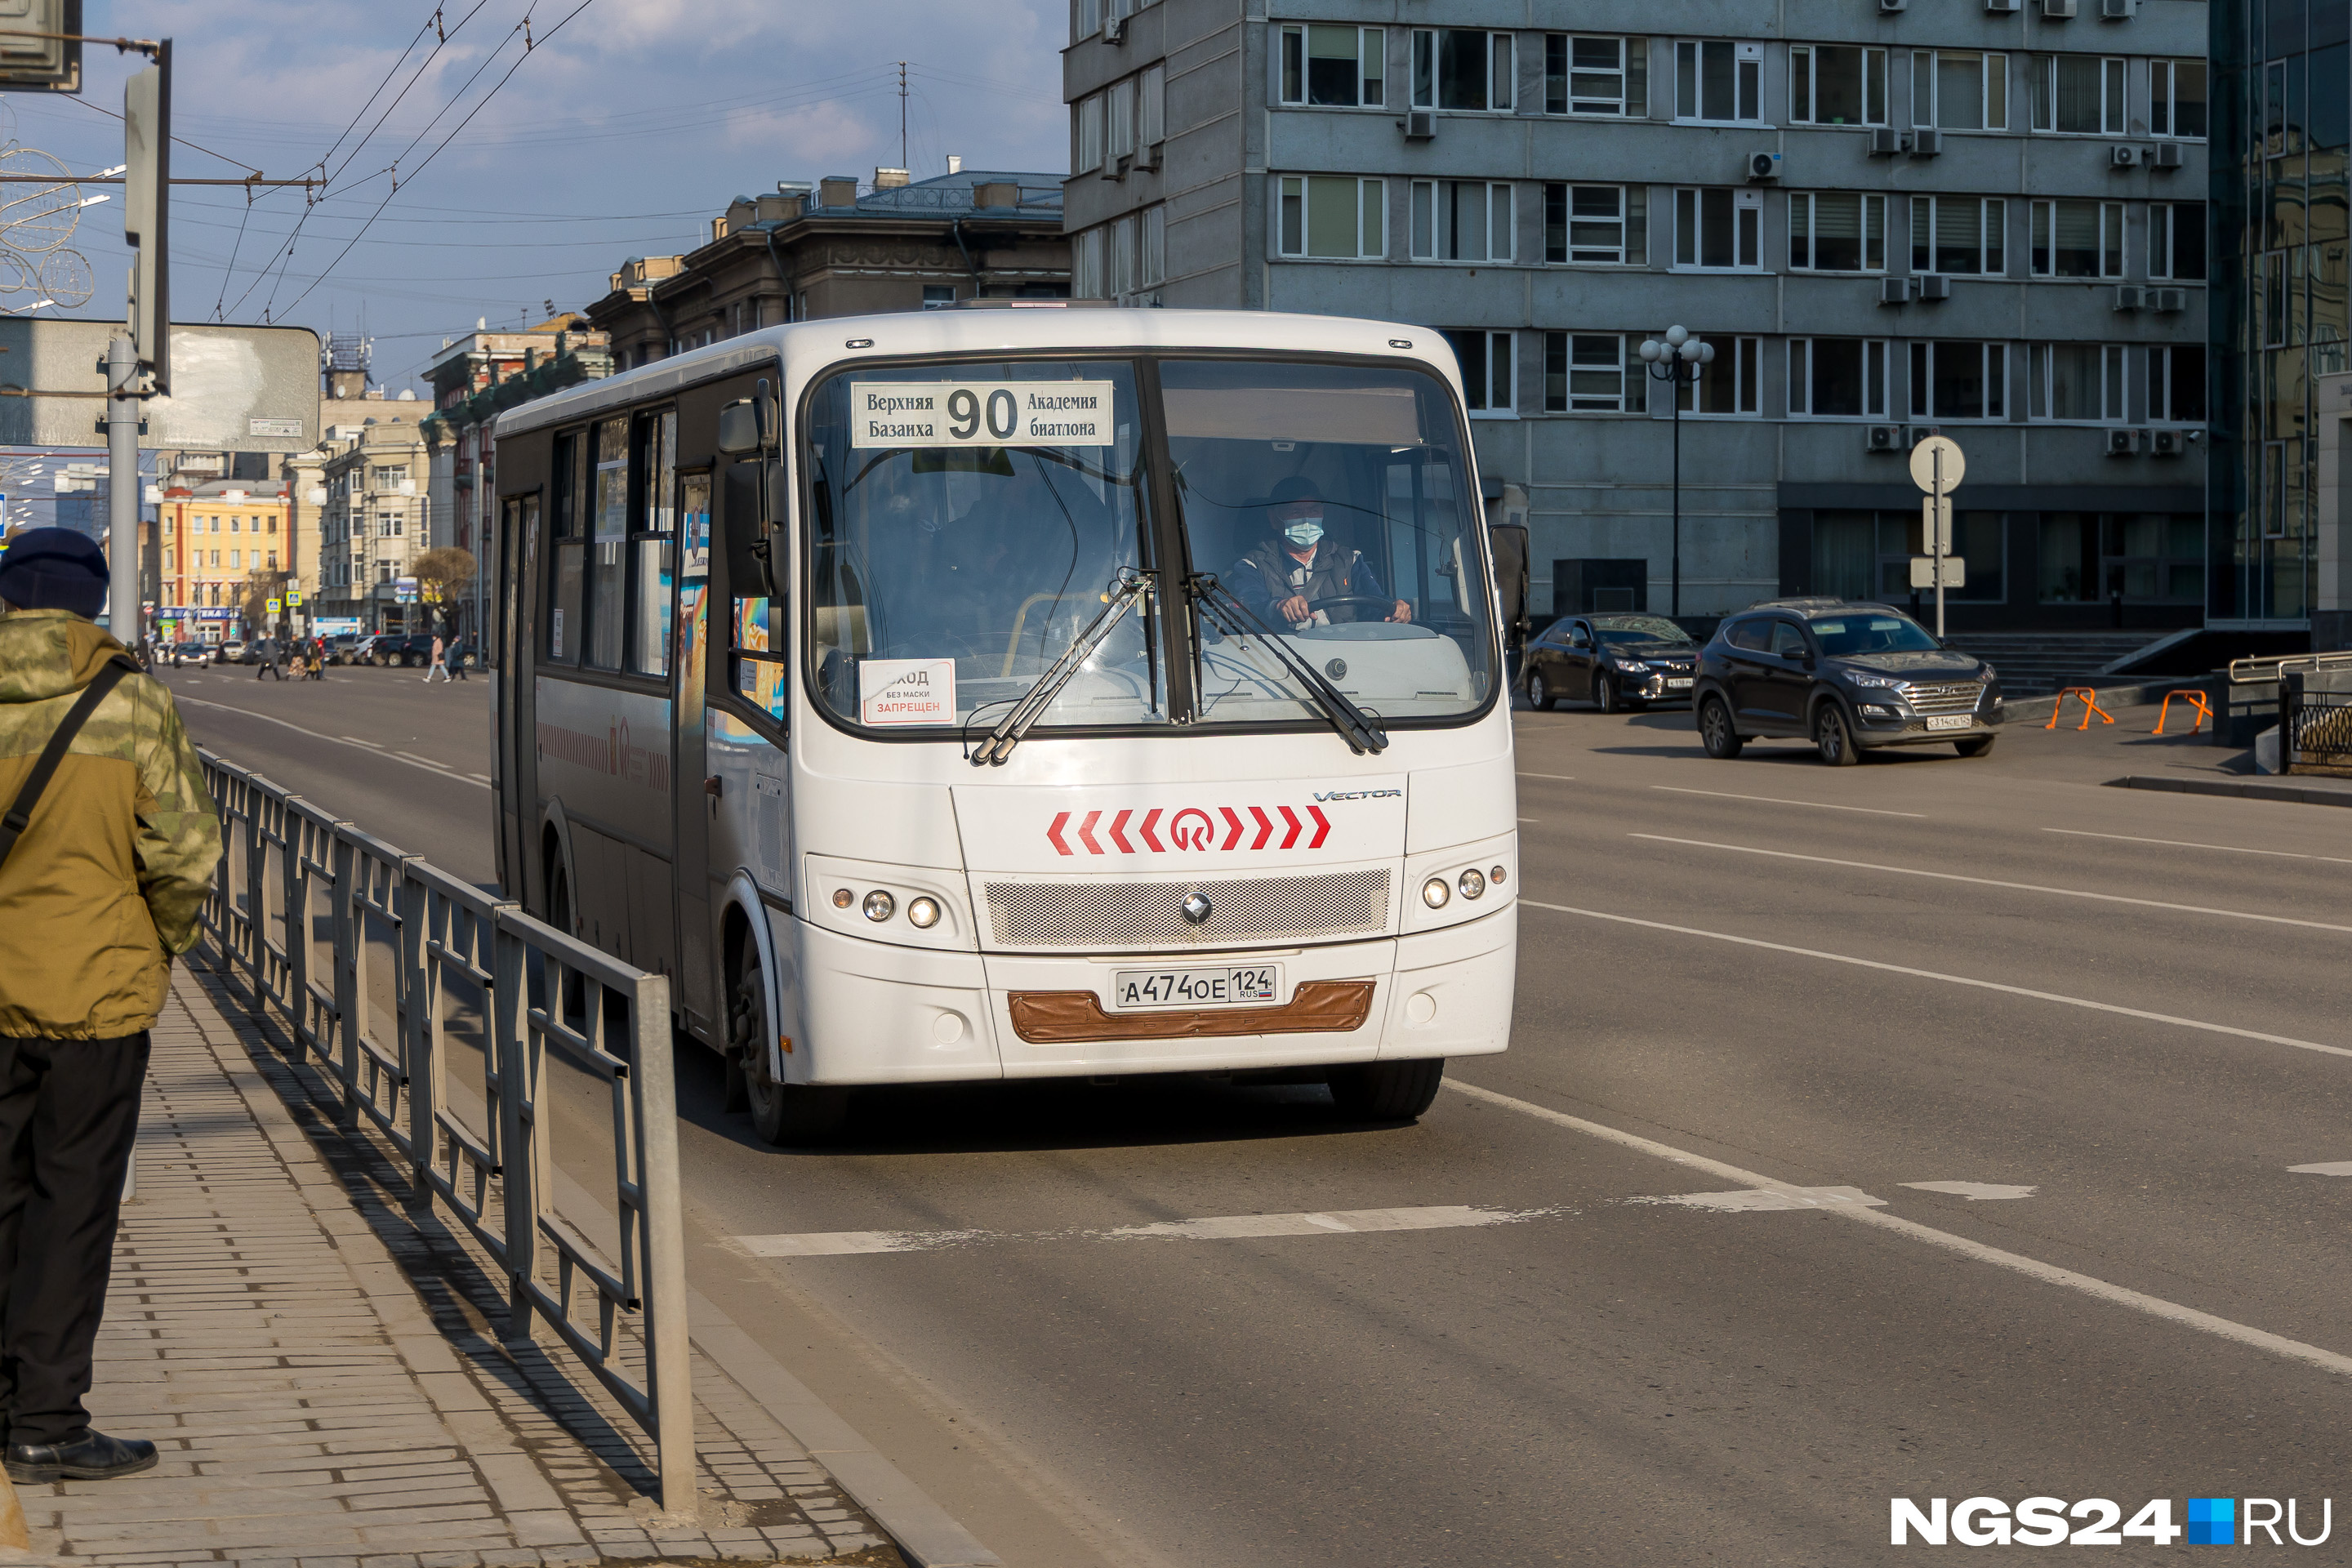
980	413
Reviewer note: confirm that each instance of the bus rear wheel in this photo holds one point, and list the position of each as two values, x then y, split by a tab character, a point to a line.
1386	1091
783	1114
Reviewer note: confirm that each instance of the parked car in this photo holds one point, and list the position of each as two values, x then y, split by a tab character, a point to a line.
1619	661
340	646
1850	678
233	650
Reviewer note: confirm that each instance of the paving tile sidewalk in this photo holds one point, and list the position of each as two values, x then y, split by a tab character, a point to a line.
321	1371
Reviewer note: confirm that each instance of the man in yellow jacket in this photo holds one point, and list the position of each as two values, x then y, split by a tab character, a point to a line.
98	892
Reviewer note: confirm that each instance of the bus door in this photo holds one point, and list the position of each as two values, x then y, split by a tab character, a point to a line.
511	687
694	804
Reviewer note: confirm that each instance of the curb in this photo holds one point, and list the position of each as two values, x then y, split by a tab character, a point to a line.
2293	795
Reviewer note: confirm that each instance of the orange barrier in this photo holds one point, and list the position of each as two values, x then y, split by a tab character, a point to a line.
2090	706
2192	698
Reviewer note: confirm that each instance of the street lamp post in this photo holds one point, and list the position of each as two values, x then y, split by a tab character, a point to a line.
1678	360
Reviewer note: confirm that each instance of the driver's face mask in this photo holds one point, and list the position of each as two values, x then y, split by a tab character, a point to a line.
1303	531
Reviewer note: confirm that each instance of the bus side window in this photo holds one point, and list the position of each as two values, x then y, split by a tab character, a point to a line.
758	628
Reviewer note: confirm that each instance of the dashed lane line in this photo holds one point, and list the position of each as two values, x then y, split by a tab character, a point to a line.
1997	882
339	740
1776	800
1887	968
1861	1213
1564	778
2185	843
1217	1227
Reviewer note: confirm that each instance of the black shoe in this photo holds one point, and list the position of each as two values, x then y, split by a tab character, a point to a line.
97	1458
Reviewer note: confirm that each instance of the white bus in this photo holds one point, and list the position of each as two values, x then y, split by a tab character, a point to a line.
985	694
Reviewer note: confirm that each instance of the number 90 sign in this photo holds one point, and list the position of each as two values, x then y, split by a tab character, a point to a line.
980	413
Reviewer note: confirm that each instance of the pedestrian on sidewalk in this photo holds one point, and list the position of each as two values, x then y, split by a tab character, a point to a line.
267	650
440	665
106	854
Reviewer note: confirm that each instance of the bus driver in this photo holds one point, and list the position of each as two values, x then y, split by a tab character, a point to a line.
1297	573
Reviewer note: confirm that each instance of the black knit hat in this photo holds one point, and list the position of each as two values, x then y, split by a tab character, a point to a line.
54	569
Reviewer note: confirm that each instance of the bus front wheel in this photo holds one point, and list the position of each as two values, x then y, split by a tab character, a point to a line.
783	1113
1386	1091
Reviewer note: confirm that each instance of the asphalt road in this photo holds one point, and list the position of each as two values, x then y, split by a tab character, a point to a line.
2113	1017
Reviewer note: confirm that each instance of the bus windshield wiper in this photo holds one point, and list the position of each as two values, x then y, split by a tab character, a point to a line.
1359	729
1132	585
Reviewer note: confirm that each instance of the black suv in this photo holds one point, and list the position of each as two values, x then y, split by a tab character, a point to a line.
1850	678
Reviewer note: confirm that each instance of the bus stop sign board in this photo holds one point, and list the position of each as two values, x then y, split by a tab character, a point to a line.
235	389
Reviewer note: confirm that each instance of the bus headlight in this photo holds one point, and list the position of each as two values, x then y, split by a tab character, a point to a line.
923	913
1474	883
1434	892
842	898
880	905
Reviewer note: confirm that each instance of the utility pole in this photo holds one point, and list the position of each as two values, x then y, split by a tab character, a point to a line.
902	114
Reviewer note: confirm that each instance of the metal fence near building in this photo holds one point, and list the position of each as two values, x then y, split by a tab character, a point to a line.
2315	722
452	1022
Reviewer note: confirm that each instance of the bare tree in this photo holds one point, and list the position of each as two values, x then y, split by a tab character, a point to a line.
442	577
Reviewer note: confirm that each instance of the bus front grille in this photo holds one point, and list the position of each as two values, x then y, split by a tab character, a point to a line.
1151	915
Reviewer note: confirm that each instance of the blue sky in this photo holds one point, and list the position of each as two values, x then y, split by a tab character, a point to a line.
623	133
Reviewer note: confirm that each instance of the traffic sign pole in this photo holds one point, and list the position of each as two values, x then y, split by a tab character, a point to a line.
1937	467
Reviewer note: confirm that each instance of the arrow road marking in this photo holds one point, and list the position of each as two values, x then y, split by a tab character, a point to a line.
1217	1227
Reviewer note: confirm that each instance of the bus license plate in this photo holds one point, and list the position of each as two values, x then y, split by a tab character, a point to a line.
1951	721
1246	986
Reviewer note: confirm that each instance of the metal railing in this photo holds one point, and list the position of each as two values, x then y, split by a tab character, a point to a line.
2314	728
2252	671
482	1000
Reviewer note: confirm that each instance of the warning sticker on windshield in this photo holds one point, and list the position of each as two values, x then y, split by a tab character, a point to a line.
907	690
980	413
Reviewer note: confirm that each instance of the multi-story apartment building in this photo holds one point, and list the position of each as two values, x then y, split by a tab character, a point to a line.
374	518
218	539
2281	551
1985	218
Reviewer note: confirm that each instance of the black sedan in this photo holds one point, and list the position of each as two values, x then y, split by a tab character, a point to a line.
1620	662
1849	677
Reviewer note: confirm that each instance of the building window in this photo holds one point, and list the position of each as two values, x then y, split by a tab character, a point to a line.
1958	233
1596	75
2175	99
1461	220
938	295
1151	107
1118	115
1327	66
1718	230
1959	381
1596	223
1730	384
383	573
237	561
1588	372
1463	68
1085	20
2078	239
1087	134
1122	255
1831	84
1960	90
1719	82
1153	262
386	476
2176	384
2091	557
2079	95
1486	370
273	561
1837	378
2176	241
2081	382
1867	555
1334	215
1837	231
1087	272
233	524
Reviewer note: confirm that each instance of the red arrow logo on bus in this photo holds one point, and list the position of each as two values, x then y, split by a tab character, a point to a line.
1198	833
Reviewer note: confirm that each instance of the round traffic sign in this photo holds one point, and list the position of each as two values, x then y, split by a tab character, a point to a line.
1925	460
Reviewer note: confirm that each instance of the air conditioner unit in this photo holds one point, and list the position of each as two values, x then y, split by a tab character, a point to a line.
2130	296
1114	29
1927	143
2165	155
2124	157
1420	124
1884	438
1915	434
2118	10
2168	298
1117	168
1891	6
2057	10
1763	166
1148	157
1886	140
2122	443
1935	286
2167	444
1895	290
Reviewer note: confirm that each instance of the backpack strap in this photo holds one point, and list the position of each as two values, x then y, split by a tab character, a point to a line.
19	816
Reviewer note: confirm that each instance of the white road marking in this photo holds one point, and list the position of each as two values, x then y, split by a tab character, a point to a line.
1761	1200
2049	1274
2024	991
1526	819
2324	1168
480	778
1997	882
1218	1228
344	740
1568	778
1774	800
1975	1192
2185	843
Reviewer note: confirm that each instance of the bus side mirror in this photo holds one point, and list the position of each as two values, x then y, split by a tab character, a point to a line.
739	428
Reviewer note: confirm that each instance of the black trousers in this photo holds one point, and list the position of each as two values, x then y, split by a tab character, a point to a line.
68	1111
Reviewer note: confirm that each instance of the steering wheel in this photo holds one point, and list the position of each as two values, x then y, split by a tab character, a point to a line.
1386	606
